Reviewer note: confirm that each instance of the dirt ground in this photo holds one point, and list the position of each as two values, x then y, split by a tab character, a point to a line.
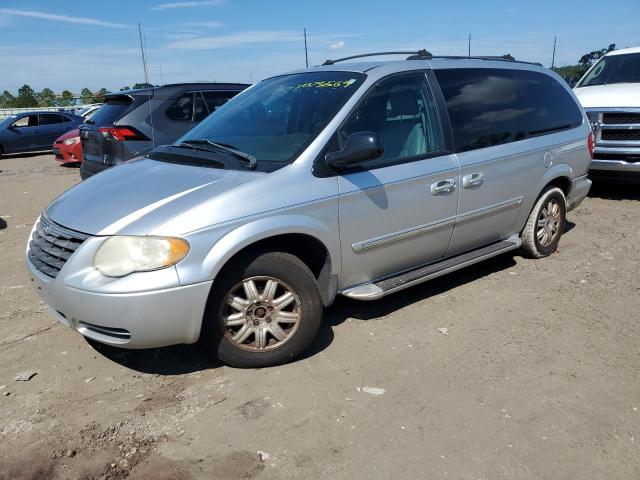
538	377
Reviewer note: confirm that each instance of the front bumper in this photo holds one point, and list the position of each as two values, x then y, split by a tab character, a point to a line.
154	318
579	190
621	165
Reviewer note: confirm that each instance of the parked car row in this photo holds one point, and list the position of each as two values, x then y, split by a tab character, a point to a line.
131	123
352	179
34	131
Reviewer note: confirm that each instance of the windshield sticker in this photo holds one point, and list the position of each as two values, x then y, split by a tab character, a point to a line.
326	84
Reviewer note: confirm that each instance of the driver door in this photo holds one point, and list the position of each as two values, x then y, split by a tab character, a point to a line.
23	134
398	211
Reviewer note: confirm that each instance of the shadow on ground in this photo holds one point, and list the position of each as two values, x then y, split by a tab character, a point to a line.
615	191
181	359
7	156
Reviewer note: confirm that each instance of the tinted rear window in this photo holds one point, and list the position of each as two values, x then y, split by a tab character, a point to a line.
115	108
495	106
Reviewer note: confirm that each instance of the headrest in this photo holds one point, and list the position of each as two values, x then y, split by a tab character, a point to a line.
403	102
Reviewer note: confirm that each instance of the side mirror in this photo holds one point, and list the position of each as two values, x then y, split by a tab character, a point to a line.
359	147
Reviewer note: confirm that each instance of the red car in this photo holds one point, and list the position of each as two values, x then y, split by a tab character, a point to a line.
68	148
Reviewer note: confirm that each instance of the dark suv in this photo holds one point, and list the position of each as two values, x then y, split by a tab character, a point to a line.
132	122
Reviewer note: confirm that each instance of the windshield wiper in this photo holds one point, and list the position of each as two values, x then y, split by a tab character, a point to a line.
224	147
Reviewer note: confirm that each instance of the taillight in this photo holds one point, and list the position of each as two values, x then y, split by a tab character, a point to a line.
121	133
590	144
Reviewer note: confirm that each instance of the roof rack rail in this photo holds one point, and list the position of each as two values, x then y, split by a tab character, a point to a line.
505	58
416	55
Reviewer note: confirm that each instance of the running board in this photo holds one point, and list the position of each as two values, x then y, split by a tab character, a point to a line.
381	288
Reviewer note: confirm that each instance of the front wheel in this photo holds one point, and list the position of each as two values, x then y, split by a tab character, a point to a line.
545	225
264	310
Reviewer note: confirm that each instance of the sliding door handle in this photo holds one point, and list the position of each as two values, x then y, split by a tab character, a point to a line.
472	181
443	187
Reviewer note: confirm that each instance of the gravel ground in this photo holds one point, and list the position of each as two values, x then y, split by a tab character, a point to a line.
536	377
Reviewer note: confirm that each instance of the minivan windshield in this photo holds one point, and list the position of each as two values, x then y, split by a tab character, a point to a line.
624	68
275	120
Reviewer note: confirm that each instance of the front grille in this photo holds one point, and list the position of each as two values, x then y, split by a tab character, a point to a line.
621	135
51	246
616	118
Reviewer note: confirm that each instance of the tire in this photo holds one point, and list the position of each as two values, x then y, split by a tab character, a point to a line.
266	324
545	225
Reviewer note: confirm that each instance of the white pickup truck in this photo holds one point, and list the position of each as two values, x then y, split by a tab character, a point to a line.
610	94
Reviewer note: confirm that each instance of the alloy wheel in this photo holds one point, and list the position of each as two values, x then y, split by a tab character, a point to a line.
261	313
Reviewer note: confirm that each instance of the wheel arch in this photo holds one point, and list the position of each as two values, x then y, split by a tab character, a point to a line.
301	236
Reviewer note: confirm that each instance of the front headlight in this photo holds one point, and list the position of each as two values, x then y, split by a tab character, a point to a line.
121	255
72	141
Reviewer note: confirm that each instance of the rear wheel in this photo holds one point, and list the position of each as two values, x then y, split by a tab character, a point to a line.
264	310
545	225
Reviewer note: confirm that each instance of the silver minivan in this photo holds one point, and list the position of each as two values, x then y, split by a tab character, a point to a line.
354	179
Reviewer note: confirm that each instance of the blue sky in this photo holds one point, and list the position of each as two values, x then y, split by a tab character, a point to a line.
73	44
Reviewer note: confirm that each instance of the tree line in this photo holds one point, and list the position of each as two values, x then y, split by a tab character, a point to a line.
27	97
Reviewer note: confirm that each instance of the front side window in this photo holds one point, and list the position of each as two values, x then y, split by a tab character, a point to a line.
216	99
28	121
182	109
200	111
491	106
624	68
275	120
401	111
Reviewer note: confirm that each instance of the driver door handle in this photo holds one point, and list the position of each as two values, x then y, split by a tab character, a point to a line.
472	181
443	187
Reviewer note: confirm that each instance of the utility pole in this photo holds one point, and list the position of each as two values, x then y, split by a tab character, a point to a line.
553	58
161	78
144	58
469	54
306	52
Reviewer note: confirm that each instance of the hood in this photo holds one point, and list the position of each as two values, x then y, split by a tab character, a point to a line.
612	95
70	134
137	196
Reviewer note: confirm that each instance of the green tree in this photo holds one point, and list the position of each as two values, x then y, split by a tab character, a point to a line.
125	88
46	98
66	99
590	58
7	100
98	97
86	96
26	97
137	86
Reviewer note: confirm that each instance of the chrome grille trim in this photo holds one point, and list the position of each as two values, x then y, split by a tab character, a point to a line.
616	130
51	246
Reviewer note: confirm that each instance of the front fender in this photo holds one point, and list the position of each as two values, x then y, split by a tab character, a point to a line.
233	240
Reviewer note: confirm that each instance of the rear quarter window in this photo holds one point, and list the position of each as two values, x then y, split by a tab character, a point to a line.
495	106
116	107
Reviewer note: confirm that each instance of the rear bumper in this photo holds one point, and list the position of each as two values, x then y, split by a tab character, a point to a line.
579	190
148	319
89	169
